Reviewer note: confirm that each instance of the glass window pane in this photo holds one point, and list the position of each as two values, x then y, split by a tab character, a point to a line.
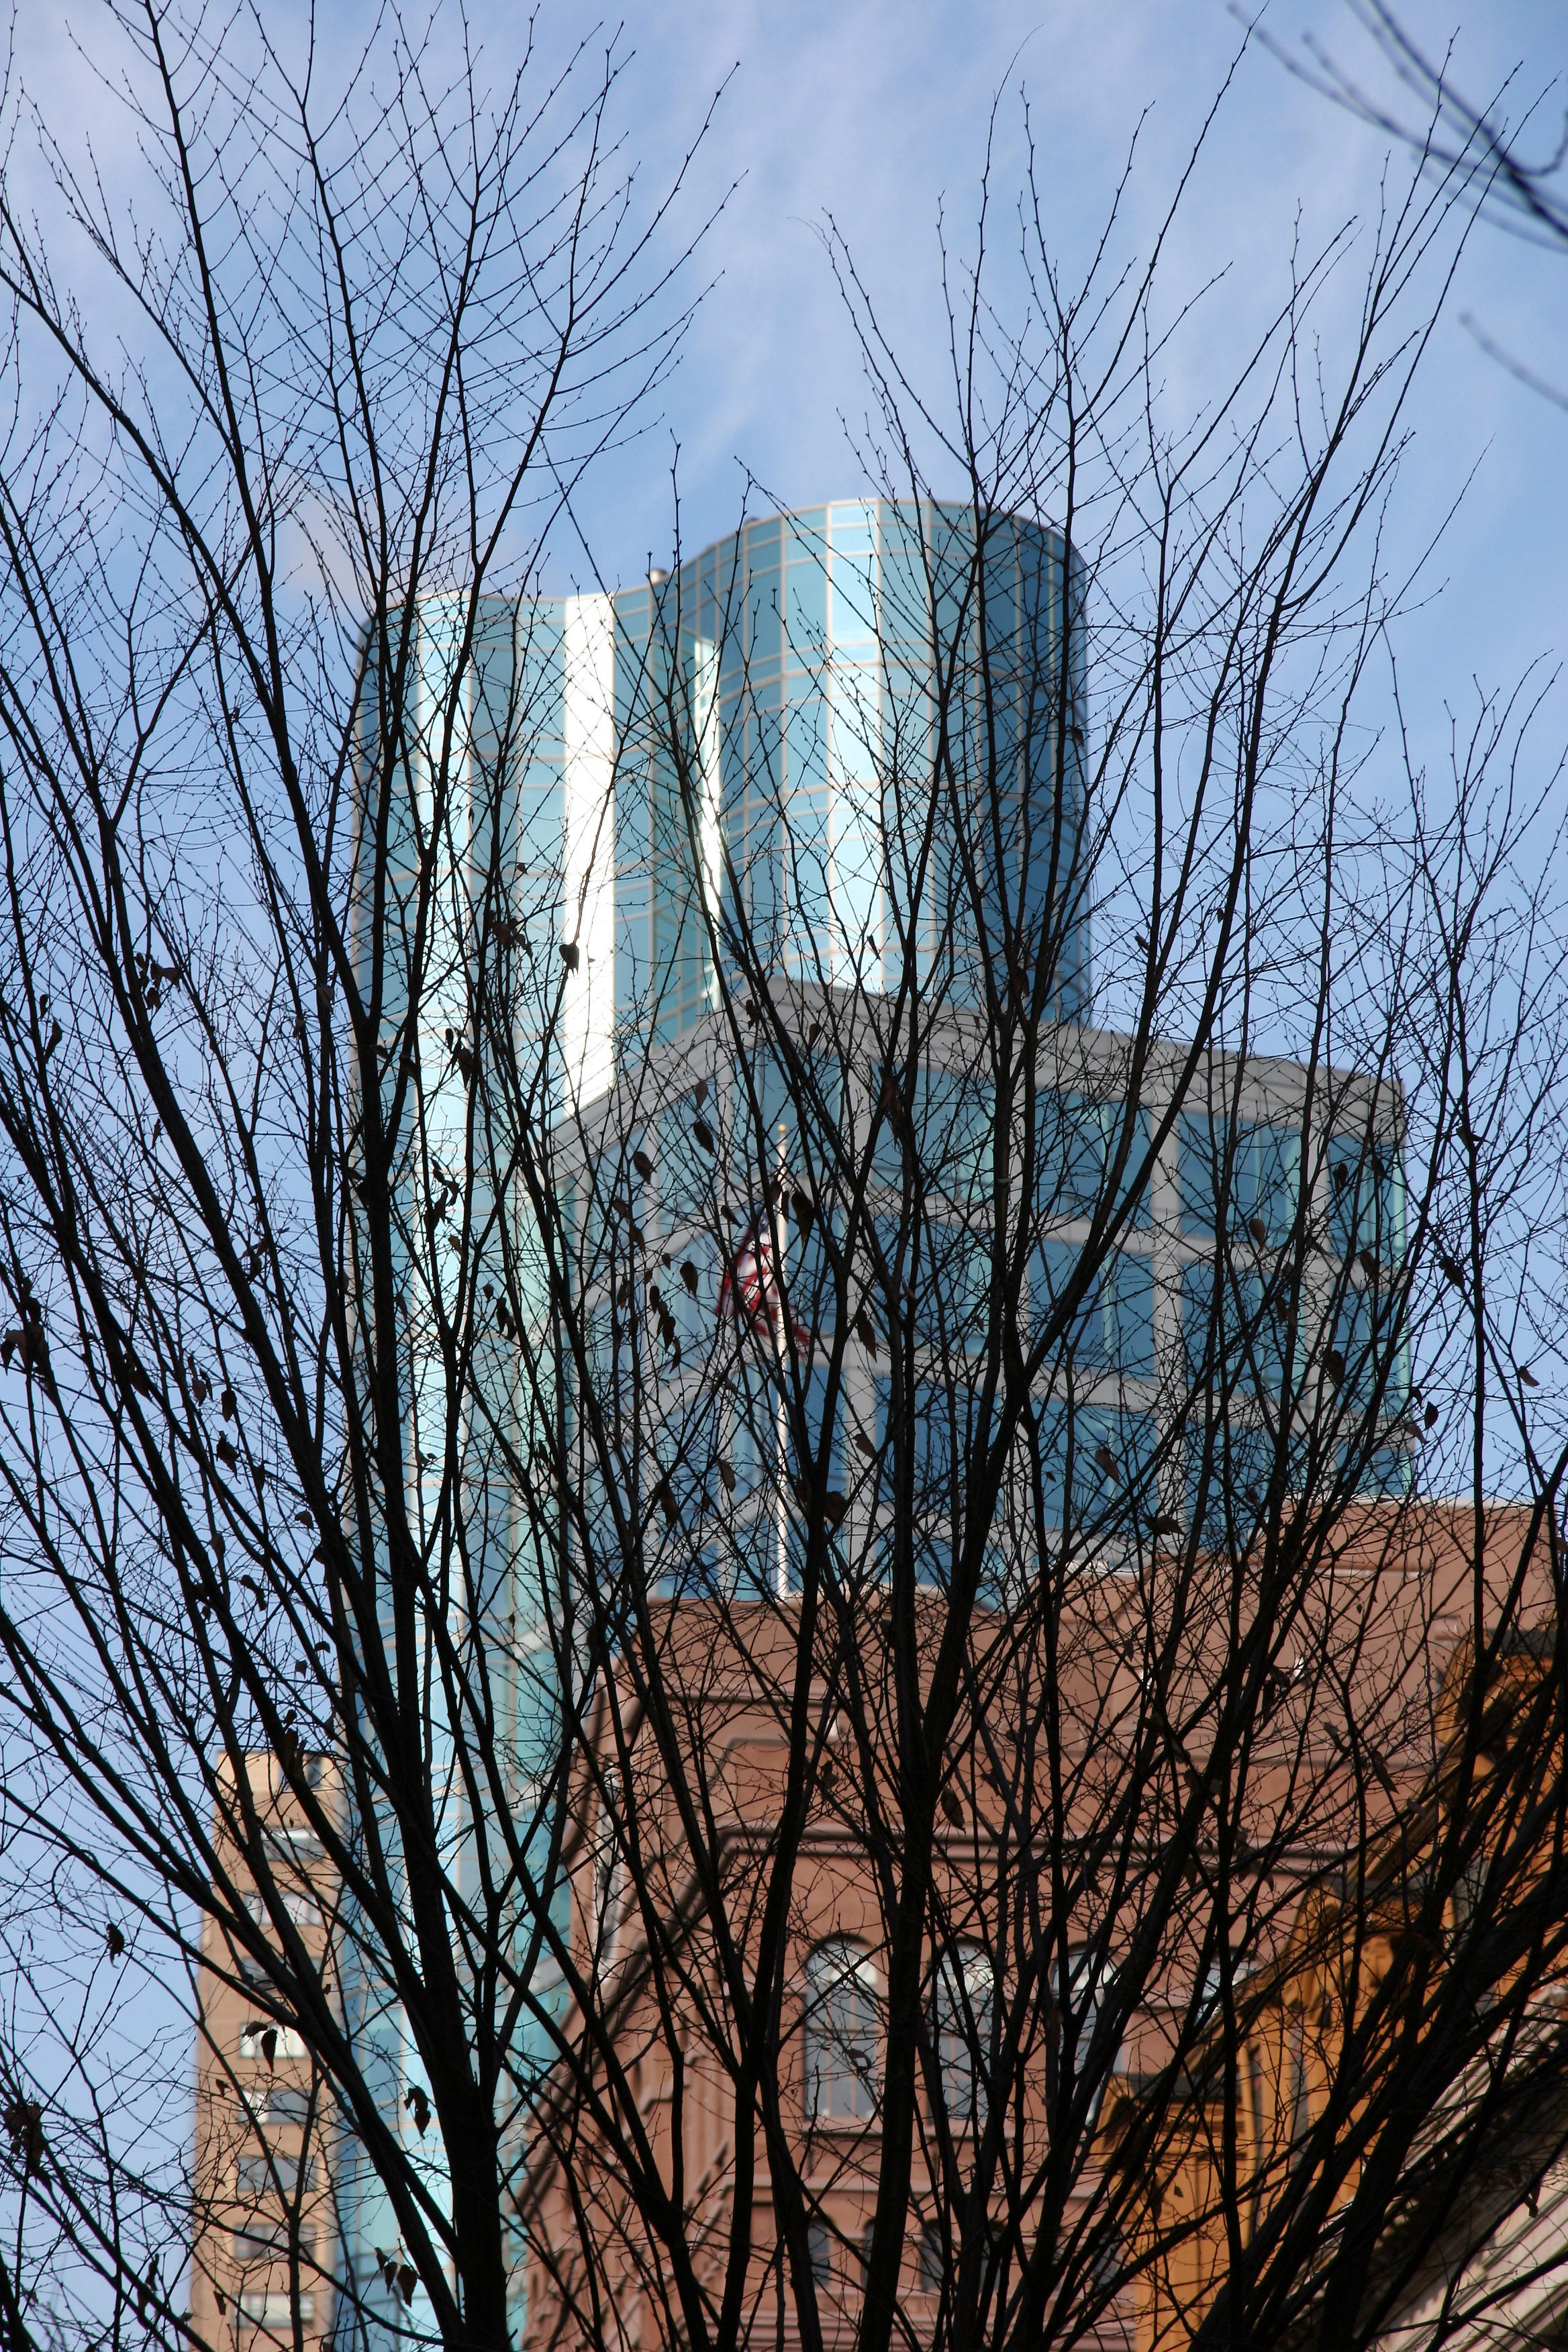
1228	1472
806	611
854	594
841	2035
764	621
1078	1141
1199	1150
1253	1169
1367	1188
1112	1455
1131	1340
1267	1182
949	1128
1234	1337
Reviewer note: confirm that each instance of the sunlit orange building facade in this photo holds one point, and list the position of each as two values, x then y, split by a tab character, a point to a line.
1492	2272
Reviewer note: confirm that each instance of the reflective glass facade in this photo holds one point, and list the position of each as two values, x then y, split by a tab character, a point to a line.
863	685
793	731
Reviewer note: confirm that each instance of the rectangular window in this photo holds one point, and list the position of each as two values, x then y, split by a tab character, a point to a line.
951	1277
1228	1472
295	1844
266	2176
773	1110
690	1289
948	1126
1354	1341
1366	1198
263	2239
819	2246
1089	1981
1234	1343
1370	1341
268	2041
610	1354
807	1262
613	1208
685	1166
1300	2093
280	2103
753	1433
1077	1141
765	619
1131	1303
816	1416
1110	1455
276	2312
1246	1173
933	2256
941	1435
961	2001
1115	1329
1260	2135
301	1908
854	583
842	2036
1388	1472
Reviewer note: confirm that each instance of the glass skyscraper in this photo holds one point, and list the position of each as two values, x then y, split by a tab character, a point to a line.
853	736
792	732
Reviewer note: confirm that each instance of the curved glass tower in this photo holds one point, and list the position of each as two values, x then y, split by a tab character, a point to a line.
812	716
851	733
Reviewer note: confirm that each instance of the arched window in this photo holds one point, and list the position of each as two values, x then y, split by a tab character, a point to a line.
962	1995
841	2034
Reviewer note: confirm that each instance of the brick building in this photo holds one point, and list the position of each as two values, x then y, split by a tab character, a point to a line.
654	1999
266	2246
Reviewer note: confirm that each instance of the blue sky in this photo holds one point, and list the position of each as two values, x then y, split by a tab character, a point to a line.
874	113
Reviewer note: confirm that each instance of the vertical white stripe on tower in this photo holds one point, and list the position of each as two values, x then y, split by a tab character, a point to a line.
705	699
588	913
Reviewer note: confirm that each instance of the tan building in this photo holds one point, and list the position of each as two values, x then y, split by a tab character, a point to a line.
263	2255
652	1966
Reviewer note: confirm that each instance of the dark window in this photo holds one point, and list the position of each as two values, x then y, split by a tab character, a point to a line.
1112	1458
1234	1336
1301	2093
1078	1141
1366	1196
1089	1981
1115	1325
820	2247
953	1116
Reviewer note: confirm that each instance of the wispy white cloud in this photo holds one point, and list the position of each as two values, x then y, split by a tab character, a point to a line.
874	113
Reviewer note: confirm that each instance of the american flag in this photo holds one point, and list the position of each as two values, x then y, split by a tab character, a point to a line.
750	1290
